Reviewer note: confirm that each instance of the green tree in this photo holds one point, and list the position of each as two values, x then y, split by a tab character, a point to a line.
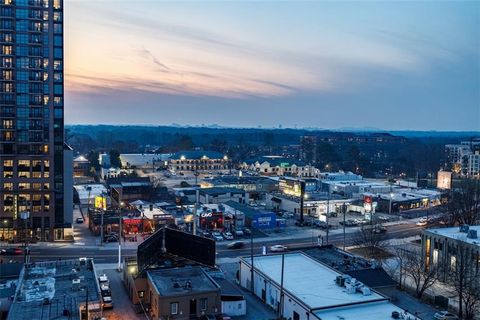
115	158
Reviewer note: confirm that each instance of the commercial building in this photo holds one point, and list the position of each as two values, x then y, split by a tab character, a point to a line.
258	219
57	290
279	166
81	166
182	293
445	247
31	118
307	289
198	161
151	160
221	195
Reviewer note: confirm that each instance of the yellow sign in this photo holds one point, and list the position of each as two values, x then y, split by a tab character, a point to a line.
100	202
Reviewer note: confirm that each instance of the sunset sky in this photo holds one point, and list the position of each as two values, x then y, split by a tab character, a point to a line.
390	65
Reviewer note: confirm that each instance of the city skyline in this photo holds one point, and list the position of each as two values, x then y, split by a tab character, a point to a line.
393	66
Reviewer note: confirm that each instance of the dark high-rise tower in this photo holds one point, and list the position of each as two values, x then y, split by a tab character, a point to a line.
31	119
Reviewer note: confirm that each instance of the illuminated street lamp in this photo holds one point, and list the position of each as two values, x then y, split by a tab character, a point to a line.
390	206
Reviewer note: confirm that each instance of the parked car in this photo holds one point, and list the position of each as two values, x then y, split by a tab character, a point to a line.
105	290
11	251
287	215
107	302
79	220
445	315
278	248
349	223
239	233
236	245
228	236
247	232
217	236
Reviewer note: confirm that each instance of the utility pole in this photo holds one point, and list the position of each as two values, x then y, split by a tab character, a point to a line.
344	209
120	231
194	229
251	258
328	213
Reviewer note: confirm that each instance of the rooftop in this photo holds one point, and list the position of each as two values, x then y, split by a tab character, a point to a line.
219	191
455	233
372	311
47	288
196	155
178	281
310	281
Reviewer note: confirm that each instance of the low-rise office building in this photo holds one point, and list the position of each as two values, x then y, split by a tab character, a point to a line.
305	289
445	247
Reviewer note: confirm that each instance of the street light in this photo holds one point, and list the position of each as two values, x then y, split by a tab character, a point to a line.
390	206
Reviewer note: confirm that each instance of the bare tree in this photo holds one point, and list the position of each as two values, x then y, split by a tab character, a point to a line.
413	268
464	276
464	205
371	238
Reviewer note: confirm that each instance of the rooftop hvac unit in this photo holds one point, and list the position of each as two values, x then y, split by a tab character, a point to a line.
472	234
366	291
76	284
464	228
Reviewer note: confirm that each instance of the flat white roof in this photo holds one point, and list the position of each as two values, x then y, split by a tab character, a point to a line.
454	233
371	311
309	281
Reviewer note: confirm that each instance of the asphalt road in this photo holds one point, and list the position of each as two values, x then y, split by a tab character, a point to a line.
110	254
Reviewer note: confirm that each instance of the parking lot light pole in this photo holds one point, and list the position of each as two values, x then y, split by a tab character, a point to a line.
390	206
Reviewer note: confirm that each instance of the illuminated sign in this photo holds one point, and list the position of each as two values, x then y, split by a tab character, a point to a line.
444	180
291	187
101	202
206	214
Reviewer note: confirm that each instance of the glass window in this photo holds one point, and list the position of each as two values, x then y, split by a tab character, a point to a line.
8	186
203	304
174	308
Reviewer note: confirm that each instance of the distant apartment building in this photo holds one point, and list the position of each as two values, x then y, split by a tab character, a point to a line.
279	166
463	158
473	166
31	120
195	161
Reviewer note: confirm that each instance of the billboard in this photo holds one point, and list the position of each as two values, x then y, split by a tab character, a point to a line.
179	243
292	187
444	180
100	202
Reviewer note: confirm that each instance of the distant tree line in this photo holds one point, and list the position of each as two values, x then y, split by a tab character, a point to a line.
409	156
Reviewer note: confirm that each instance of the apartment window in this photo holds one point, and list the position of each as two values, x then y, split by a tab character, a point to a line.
7	163
7	124
174	308
203	304
36	174
37	186
24	185
8	186
23	174
57	4
7	75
